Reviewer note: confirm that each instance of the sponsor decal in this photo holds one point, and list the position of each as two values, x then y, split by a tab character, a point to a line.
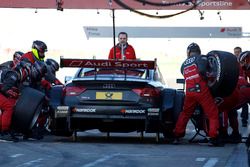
61	112
84	97
108	86
62	109
87	110
133	111
97	4
189	61
153	114
107	64
153	111
190	69
116	64
219	67
232	31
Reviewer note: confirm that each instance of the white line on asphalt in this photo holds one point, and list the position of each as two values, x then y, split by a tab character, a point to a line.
16	155
100	160
200	159
31	163
211	162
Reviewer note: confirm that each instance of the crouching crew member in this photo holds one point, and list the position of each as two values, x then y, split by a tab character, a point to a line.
194	71
10	80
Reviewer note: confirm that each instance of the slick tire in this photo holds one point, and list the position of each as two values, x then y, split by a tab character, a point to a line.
27	109
55	95
175	112
225	69
178	106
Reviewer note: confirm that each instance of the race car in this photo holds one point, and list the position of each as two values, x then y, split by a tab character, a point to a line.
119	96
114	96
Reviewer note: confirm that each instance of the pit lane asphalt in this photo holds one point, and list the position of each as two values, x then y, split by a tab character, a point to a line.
94	149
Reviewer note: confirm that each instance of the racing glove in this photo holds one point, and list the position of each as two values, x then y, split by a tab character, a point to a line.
12	93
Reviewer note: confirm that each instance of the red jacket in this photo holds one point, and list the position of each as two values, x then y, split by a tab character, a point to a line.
29	56
129	52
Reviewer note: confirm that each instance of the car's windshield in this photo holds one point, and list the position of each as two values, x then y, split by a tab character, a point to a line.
91	72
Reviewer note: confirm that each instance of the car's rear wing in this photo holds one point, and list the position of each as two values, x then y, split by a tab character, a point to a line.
104	63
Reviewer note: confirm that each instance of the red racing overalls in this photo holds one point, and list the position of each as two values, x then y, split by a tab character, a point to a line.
9	83
128	51
197	93
44	83
240	96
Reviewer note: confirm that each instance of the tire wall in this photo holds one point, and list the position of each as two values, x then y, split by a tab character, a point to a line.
172	104
27	109
167	97
178	106
55	95
226	67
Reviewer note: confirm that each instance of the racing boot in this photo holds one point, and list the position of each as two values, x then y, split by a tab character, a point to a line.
235	137
215	142
8	137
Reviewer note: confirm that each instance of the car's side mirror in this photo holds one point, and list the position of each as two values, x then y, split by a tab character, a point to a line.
67	79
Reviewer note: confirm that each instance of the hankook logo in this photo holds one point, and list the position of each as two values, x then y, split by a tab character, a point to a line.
108	86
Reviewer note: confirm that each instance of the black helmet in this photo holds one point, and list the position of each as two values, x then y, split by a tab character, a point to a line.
24	68
52	64
38	49
243	56
17	57
38	71
193	47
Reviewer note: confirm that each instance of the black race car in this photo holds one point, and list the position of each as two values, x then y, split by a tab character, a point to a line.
119	96
114	96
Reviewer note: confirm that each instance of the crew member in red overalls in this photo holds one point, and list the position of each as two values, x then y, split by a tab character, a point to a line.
194	71
123	50
52	68
10	80
10	64
37	56
237	99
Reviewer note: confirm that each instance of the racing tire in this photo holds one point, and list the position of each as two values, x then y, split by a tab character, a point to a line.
27	109
225	72
178	105
55	95
175	112
58	127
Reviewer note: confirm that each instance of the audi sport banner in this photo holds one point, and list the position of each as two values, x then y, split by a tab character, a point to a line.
133	4
121	64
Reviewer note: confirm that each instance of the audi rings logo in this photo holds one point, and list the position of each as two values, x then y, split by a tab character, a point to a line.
108	86
109	95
